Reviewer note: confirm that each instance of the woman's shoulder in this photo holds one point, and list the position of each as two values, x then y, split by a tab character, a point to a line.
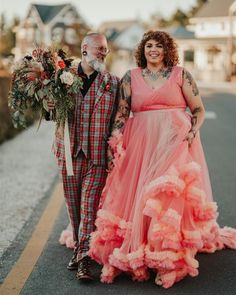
178	74
178	68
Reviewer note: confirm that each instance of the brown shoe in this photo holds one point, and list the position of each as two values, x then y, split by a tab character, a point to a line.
73	263
83	272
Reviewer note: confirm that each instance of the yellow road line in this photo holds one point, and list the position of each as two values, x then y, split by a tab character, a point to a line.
20	272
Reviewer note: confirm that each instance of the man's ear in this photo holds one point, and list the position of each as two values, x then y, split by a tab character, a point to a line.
84	47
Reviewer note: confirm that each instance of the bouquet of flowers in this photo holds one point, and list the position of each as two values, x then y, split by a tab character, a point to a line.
45	75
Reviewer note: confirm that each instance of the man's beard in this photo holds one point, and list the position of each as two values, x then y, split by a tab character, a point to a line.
95	64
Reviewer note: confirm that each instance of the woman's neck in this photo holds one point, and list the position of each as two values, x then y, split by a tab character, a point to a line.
155	67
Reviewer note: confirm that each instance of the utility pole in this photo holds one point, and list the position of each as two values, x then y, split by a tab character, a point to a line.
232	10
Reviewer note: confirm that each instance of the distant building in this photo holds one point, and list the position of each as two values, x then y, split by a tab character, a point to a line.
45	24
123	36
187	43
215	31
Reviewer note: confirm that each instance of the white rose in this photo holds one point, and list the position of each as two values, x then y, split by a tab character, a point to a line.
75	64
67	78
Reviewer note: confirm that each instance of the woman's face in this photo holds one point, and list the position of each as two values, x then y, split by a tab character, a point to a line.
154	52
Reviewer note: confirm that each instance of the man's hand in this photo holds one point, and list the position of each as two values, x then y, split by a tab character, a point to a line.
51	105
60	132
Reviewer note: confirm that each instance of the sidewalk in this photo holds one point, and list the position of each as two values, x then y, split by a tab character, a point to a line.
27	173
226	86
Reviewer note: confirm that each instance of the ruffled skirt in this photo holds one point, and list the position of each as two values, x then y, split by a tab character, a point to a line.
156	210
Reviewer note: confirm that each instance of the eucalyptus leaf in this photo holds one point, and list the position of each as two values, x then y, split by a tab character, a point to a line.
45	104
46	81
40	93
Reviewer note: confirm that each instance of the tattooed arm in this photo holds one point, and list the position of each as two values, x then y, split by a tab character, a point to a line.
123	111
194	102
124	103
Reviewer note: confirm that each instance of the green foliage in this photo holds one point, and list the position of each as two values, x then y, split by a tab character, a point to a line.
178	18
7	129
7	36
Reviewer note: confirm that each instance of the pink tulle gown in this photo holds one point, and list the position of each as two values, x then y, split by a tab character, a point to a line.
156	210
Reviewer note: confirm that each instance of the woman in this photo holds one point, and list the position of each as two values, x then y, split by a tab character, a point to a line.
156	209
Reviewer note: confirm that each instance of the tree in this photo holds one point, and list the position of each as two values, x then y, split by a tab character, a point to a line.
196	8
7	36
179	18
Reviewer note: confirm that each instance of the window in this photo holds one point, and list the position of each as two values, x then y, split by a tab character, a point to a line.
189	56
71	36
57	34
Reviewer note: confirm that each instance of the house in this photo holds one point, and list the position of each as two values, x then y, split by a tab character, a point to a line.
47	24
123	36
186	42
215	31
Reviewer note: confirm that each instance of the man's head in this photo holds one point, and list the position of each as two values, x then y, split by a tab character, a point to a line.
94	50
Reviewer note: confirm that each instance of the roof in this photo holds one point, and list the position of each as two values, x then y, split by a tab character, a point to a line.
117	26
214	8
180	32
48	12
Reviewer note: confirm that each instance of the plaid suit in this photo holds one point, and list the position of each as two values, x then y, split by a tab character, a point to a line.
89	128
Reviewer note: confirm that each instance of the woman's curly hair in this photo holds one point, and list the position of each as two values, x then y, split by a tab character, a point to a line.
171	57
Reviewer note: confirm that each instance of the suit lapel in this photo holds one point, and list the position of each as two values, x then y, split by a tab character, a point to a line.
101	81
79	98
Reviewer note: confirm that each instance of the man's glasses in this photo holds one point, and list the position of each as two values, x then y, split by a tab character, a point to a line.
102	49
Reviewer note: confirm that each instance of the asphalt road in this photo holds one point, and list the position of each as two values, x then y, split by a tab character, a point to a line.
217	271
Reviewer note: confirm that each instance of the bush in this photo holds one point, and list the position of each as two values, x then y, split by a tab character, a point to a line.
7	129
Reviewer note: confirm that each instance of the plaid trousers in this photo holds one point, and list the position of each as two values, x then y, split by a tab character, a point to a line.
82	194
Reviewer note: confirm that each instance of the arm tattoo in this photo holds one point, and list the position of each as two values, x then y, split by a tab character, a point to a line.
191	82
124	104
194	117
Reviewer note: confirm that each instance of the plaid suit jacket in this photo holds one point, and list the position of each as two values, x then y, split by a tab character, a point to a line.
96	125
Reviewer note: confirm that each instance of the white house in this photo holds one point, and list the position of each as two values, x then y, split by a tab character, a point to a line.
46	24
215	31
186	42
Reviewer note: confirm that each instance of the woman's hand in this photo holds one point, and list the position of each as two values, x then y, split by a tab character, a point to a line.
190	137
110	158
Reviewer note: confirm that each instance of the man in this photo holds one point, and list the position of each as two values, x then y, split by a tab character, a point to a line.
89	129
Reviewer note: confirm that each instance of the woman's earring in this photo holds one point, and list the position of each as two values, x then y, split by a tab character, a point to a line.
84	53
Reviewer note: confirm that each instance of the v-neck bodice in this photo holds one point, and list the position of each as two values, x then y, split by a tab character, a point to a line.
168	95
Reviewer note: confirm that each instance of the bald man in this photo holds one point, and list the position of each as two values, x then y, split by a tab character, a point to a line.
89	129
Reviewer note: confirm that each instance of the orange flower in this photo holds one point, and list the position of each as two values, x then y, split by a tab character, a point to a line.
61	64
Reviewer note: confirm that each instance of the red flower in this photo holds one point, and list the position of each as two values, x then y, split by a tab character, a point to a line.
107	87
31	76
61	64
43	75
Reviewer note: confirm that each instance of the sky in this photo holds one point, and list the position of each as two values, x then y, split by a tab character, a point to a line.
97	11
